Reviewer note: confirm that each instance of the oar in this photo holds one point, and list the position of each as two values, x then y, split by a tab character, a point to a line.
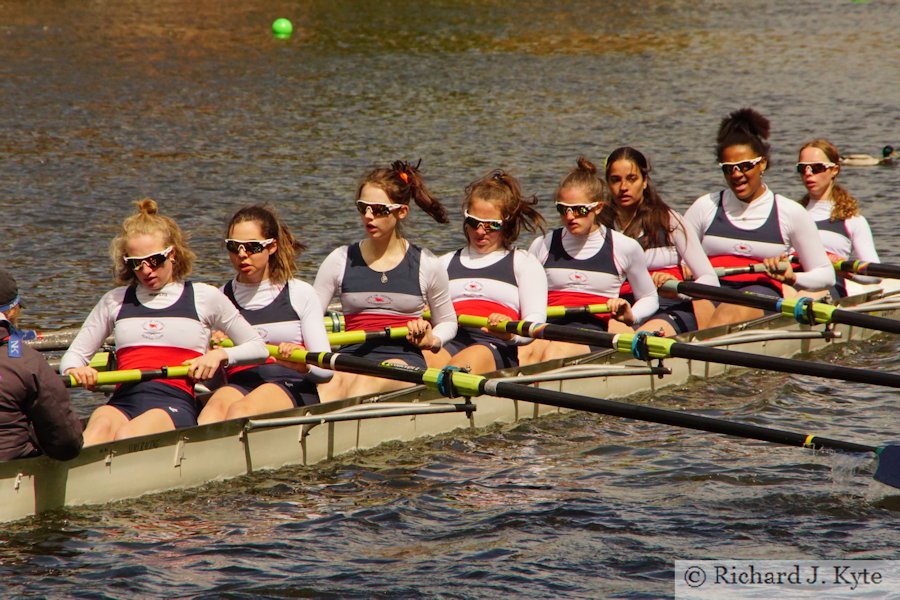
557	311
754	268
131	376
342	338
453	383
802	309
359	336
646	347
868	268
566	311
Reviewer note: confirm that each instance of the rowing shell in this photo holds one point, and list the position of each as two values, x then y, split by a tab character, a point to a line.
304	436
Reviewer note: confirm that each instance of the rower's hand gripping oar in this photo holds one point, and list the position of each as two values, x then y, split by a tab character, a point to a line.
452	382
647	347
803	309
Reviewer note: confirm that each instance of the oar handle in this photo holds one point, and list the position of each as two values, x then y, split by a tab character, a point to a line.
343	338
587	309
131	376
754	268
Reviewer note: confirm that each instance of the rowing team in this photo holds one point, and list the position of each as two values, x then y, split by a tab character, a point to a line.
619	242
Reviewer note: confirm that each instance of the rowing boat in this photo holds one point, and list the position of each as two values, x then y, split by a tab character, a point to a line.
304	436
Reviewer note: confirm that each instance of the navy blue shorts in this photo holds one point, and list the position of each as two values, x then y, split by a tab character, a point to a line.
299	389
506	354
381	351
678	313
135	399
584	322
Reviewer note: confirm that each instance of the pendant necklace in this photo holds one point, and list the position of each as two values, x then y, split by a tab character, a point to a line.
384	278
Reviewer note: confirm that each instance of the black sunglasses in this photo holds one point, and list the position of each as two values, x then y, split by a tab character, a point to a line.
815	167
153	260
489	225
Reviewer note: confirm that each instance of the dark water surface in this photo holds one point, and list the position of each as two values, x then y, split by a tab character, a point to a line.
196	105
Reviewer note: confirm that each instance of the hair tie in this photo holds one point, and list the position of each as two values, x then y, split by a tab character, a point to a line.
404	176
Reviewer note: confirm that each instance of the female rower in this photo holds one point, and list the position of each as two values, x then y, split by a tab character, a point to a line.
638	211
384	281
844	232
284	310
156	319
490	278
587	263
748	224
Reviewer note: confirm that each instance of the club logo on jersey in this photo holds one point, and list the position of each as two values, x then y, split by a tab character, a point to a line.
473	288
742	248
378	300
578	278
153	329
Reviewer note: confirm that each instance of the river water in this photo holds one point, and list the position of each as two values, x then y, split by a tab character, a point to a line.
198	106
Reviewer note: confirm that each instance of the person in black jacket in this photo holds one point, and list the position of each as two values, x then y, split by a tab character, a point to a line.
36	415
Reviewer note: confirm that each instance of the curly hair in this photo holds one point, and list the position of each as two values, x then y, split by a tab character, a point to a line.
744	127
504	191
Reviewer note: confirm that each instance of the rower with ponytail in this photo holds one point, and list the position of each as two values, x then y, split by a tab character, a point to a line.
385	281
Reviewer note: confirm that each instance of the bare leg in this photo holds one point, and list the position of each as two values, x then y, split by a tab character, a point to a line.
264	399
564	350
105	421
477	358
437	360
336	389
532	353
155	420
218	404
703	310
732	313
654	325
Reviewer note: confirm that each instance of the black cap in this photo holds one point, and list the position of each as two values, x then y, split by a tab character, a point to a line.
9	290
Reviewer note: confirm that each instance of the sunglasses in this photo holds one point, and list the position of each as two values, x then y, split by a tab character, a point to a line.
578	210
378	210
490	225
815	167
249	246
743	166
153	260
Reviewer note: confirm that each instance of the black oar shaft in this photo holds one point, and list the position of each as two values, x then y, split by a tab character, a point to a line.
870	269
723	294
865	321
667	417
784	365
662	347
823	313
455	383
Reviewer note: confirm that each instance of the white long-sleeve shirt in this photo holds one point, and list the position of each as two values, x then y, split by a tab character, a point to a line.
797	230
215	311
